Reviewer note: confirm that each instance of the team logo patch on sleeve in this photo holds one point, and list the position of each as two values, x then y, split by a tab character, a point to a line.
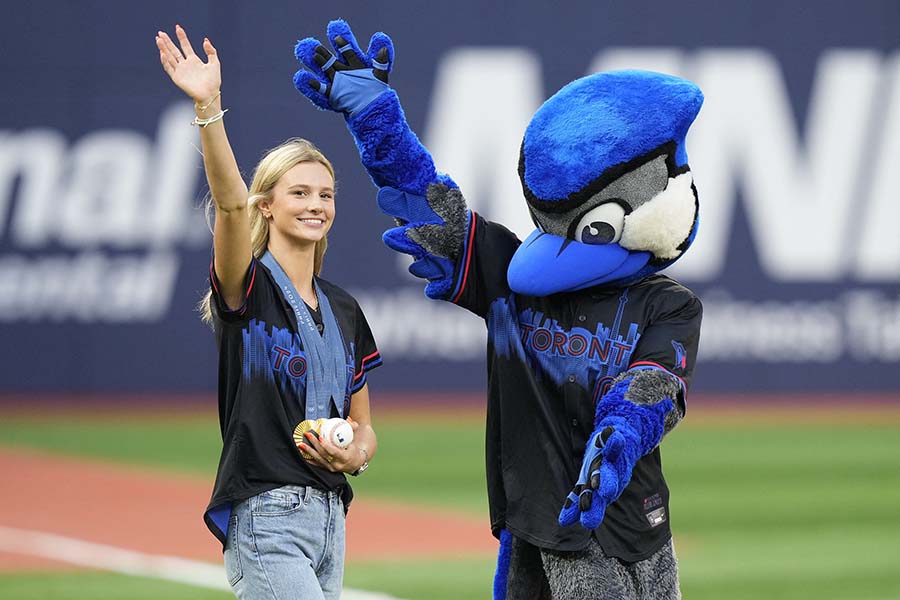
680	356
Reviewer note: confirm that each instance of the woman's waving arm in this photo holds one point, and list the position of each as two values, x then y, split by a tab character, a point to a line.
202	81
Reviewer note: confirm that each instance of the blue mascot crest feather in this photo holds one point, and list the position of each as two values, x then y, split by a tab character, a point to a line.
604	169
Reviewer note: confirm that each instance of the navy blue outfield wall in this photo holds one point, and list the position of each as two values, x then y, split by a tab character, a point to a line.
104	249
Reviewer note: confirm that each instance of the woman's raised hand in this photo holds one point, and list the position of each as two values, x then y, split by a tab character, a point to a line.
201	81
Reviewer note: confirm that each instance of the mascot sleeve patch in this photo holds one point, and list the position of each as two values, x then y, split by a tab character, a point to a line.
671	341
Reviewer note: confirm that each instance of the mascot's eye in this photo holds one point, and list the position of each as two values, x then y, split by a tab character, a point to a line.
601	225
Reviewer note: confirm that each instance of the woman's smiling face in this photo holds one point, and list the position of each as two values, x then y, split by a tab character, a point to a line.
302	204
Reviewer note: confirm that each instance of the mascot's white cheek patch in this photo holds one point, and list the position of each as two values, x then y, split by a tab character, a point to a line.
661	224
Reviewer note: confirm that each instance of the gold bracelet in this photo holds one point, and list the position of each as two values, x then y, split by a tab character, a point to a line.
211	100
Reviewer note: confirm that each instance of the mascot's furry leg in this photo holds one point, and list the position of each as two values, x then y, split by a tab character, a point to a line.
595	575
521	577
529	573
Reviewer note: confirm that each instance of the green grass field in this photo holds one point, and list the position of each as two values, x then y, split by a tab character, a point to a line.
776	512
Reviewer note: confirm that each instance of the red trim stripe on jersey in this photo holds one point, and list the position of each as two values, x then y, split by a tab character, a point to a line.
374	357
213	278
249	287
647	363
252	279
468	259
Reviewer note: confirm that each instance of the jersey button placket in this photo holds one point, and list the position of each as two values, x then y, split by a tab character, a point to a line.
572	379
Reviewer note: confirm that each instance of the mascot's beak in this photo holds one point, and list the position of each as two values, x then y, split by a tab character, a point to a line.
547	264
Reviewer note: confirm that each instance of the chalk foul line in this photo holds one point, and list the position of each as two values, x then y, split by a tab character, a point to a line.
130	562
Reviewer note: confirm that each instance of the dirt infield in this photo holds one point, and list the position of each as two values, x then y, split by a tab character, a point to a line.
160	513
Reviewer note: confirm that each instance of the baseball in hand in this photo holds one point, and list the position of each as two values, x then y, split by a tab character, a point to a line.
337	431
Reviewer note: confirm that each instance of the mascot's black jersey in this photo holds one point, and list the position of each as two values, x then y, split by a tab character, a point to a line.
549	361
262	390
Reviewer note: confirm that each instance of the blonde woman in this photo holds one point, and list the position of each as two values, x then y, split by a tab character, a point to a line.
292	348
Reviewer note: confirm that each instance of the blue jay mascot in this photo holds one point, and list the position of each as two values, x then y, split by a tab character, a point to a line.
590	350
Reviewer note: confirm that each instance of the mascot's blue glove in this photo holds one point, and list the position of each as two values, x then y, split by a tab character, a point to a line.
430	229
349	84
624	432
355	84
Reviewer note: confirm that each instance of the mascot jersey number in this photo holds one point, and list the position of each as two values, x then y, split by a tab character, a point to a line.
590	351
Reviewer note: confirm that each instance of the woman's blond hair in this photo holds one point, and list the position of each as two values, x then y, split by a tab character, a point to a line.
274	164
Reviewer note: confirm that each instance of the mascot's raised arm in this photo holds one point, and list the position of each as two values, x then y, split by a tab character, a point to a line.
590	350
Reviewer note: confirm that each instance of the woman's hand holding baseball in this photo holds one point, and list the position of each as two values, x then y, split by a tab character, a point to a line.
327	455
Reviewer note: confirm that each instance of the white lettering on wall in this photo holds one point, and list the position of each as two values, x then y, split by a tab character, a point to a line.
37	159
800	198
111	191
862	325
878	226
477	143
803	188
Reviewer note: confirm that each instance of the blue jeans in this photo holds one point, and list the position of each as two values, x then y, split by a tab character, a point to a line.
286	543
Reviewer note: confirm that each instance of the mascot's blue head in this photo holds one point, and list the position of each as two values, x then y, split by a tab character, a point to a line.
605	175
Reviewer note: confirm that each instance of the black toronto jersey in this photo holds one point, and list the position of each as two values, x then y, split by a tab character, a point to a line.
549	361
262	389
